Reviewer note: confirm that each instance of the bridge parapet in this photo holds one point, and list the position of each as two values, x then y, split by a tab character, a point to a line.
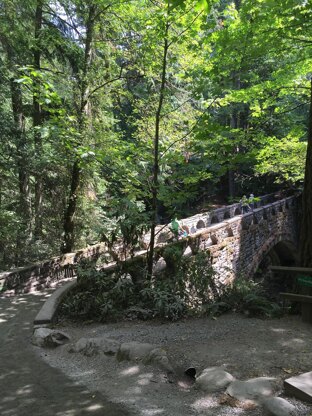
43	274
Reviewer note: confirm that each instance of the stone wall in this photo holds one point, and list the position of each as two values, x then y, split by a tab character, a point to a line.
40	275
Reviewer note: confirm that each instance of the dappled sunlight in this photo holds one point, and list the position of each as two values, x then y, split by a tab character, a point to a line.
204	403
183	385
294	342
24	390
152	412
79	373
210	403
94	407
278	330
71	412
130	371
134	391
144	381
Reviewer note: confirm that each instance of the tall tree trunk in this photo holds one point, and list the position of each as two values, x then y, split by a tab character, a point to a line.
306	224
84	112
37	122
24	209
156	153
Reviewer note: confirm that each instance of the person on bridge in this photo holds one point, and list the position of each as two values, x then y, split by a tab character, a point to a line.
251	201
177	229
244	204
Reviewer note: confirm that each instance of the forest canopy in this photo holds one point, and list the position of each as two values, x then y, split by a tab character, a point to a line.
118	115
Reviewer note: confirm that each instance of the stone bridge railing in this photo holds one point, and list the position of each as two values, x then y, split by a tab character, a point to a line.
237	245
206	219
236	242
40	275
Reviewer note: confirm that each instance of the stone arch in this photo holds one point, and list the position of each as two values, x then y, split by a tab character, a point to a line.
280	208
265	215
200	224
227	215
230	232
214	220
273	211
283	253
213	239
284	246
238	211
287	205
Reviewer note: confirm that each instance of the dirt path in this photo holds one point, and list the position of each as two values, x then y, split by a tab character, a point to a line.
29	386
245	347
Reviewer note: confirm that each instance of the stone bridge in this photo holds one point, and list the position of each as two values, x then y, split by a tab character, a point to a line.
241	243
238	244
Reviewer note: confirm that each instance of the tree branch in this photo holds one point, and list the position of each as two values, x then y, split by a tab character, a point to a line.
104	84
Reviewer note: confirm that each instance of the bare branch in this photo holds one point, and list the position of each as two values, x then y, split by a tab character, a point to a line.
105	83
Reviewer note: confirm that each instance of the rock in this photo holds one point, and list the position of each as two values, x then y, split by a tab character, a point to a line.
276	406
213	379
146	353
255	388
158	356
49	338
134	351
93	346
187	252
160	266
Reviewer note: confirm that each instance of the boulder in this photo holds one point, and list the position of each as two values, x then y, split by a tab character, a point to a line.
276	406
158	357
160	266
93	346
255	388
213	379
145	353
49	338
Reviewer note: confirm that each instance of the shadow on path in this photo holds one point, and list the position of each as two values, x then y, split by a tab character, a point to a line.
29	386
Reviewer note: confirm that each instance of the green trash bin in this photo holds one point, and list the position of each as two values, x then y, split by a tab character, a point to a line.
304	280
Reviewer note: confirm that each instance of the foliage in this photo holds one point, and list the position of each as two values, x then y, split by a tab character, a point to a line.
247	297
193	289
83	88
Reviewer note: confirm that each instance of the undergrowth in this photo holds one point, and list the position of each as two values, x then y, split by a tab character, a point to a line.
188	287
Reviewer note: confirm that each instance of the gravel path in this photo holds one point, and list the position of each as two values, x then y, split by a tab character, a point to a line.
245	347
29	386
